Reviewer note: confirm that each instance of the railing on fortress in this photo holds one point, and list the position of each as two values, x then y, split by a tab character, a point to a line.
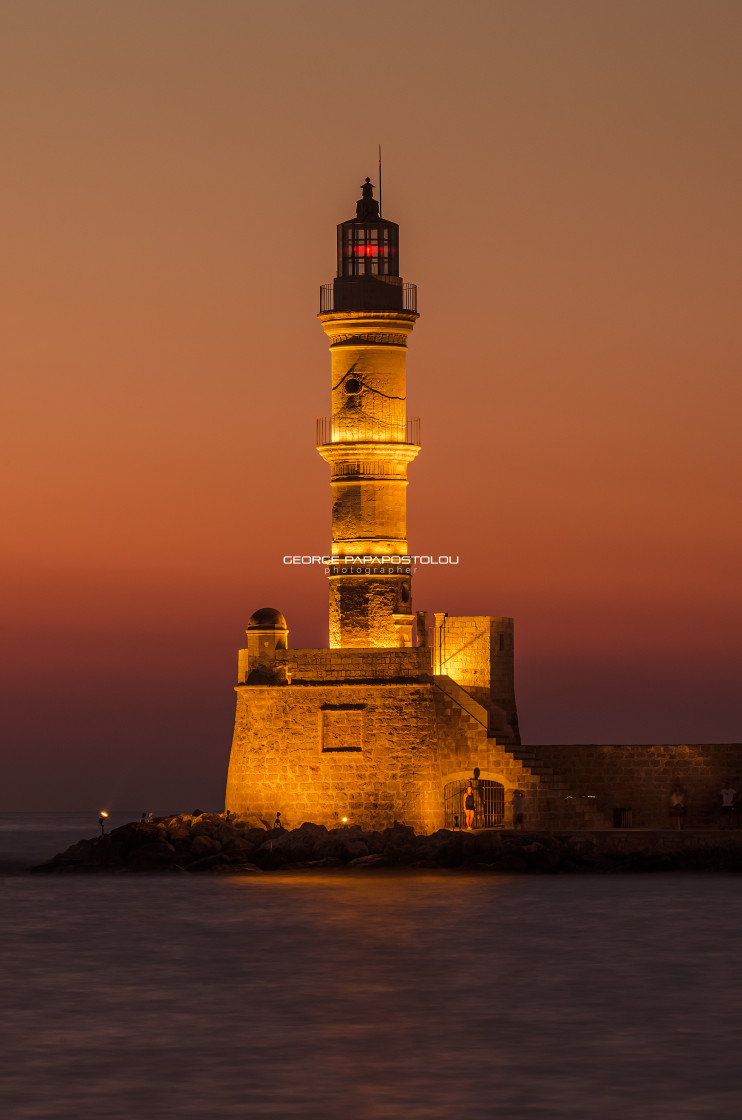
390	431
408	294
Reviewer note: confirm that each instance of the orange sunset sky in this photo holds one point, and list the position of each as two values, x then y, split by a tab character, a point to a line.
567	181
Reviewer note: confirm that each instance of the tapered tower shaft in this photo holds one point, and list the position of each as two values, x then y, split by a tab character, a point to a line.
368	314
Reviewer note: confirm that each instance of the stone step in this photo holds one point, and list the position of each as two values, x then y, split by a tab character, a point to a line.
568	807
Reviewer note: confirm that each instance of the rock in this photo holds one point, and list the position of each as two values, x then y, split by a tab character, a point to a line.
152	854
444	849
313	829
236	869
275	851
214	826
207	822
400	830
275	839
207	862
141	834
204	846
178	843
84	851
373	842
298	845
402	847
330	848
179	830
270	859
252	820
370	861
126	833
238	844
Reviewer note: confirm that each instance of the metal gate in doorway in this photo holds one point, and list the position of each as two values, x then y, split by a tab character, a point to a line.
489	802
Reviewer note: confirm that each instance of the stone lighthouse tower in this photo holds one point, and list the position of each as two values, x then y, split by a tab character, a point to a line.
374	729
368	314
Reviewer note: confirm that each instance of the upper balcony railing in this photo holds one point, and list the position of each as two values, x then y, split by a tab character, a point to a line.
367	293
407	431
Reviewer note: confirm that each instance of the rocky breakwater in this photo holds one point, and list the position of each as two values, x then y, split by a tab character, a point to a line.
197	842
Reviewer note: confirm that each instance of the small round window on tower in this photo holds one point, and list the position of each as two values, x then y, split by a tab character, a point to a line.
352	385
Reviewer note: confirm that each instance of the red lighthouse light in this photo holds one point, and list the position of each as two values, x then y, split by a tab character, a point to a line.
367	262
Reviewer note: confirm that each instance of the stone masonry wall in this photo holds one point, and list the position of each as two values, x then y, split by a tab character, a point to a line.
341	664
477	652
298	749
355	664
641	777
373	736
374	753
463	744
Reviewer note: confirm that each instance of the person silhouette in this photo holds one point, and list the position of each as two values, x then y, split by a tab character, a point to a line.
518	801
728	796
677	806
469	806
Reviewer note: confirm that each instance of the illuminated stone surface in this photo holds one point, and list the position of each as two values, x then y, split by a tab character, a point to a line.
377	730
368	451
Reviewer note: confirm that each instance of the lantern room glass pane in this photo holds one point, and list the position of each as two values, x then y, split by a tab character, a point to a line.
368	250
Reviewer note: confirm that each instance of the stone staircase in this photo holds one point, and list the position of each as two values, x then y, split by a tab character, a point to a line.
556	804
560	805
470	707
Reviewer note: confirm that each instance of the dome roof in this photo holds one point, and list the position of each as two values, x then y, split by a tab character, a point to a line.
267	619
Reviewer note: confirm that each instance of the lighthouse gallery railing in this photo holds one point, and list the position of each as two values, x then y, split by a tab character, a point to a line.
408	295
388	431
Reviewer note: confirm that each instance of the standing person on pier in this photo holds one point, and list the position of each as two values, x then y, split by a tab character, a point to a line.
469	806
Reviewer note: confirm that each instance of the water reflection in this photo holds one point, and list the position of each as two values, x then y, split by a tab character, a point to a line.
422	995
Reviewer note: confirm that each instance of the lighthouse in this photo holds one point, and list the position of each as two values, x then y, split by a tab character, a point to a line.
367	313
374	729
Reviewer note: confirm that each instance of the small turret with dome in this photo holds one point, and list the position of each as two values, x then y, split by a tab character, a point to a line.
266	632
267	618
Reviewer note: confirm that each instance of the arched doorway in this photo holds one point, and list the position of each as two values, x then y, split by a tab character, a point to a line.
489	798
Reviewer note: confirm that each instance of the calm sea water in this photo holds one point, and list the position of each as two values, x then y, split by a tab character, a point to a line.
368	996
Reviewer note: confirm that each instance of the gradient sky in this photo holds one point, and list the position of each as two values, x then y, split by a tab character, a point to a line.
567	178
